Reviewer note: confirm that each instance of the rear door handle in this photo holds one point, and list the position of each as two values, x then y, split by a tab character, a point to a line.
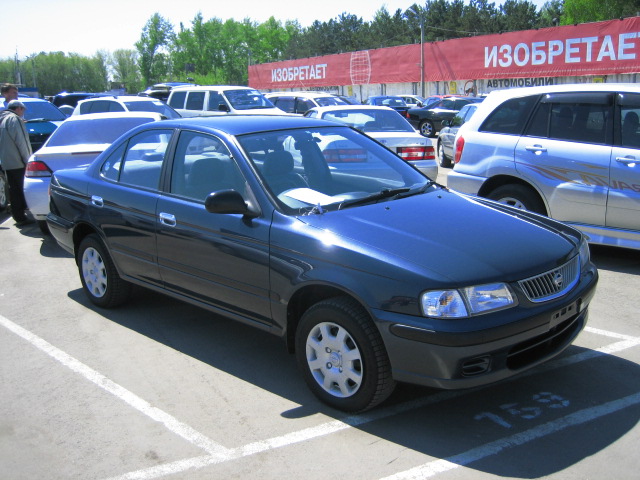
97	201
167	219
535	148
629	160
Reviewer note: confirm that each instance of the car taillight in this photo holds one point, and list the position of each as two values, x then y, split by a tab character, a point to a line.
335	155
36	168
413	154
459	148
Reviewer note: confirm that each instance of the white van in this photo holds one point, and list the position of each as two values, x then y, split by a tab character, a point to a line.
194	101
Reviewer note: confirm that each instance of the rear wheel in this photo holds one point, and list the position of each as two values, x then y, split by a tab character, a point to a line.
100	279
427	129
445	161
342	356
519	196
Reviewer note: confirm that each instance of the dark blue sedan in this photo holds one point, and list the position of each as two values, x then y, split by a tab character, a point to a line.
391	101
371	272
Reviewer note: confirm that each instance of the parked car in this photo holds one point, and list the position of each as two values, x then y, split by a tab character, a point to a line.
387	127
391	101
161	91
76	143
447	136
72	98
42	118
300	102
256	218
567	151
413	100
351	100
193	101
124	103
428	120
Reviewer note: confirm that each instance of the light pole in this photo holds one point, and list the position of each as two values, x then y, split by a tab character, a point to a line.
420	16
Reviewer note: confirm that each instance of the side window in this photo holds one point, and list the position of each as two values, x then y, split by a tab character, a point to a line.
302	105
447	104
195	101
143	157
115	107
572	117
286	104
177	99
215	99
630	120
202	165
510	116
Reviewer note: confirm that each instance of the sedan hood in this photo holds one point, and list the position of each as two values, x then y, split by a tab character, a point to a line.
451	238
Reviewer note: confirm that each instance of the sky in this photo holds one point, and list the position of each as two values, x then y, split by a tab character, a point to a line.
86	26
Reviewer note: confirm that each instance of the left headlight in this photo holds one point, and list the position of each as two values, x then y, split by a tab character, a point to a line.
467	301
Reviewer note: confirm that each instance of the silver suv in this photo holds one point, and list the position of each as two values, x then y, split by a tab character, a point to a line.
571	152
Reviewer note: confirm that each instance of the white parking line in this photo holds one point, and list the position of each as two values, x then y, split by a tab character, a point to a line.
171	423
219	454
435	467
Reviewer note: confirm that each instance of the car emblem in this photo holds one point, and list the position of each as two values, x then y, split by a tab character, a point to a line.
558	279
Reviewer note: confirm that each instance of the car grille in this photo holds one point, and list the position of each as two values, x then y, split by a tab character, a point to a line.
552	284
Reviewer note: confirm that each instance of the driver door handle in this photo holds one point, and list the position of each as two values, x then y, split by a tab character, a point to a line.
167	219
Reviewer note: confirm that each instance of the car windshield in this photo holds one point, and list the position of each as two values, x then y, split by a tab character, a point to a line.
93	131
247	99
327	168
381	120
158	107
42	111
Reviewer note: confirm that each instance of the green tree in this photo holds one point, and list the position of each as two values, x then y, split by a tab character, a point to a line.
152	48
124	68
519	15
581	11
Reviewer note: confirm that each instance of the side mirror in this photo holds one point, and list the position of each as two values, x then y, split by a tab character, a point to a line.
223	107
228	202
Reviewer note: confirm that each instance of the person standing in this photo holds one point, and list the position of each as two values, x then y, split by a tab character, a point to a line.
15	150
9	92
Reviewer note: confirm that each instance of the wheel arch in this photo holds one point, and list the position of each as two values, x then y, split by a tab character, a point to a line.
500	180
303	299
80	232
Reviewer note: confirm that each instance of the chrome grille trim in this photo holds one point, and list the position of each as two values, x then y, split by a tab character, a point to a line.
552	284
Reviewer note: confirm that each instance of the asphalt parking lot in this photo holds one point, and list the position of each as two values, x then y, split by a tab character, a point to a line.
161	389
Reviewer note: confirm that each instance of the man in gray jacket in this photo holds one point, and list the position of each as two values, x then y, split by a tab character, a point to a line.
15	150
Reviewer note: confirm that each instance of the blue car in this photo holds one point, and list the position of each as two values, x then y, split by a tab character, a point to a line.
369	271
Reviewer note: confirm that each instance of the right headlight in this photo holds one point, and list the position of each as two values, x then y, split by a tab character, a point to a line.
466	302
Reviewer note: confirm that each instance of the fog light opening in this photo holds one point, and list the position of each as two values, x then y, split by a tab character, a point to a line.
476	366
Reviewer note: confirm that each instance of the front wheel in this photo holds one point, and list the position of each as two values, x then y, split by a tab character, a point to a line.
100	279
342	357
427	129
519	196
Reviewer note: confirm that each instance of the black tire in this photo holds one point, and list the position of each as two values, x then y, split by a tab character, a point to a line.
445	162
427	129
4	192
332	333
44	228
100	279
519	196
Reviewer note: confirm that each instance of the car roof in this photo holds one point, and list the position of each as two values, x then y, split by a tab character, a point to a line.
575	87
28	99
210	87
352	107
124	98
243	124
95	116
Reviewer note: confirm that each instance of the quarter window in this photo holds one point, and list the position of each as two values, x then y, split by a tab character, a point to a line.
509	117
177	99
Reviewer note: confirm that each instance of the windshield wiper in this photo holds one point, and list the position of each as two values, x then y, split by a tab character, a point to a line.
381	195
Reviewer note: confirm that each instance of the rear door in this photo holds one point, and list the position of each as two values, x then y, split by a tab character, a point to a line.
623	203
221	260
565	152
124	205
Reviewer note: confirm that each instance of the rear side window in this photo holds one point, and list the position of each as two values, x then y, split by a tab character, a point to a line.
510	116
629	119
195	101
573	117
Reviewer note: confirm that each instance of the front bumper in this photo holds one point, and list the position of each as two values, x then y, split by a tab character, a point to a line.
455	360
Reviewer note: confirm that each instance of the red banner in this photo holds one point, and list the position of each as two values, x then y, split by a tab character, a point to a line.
601	48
